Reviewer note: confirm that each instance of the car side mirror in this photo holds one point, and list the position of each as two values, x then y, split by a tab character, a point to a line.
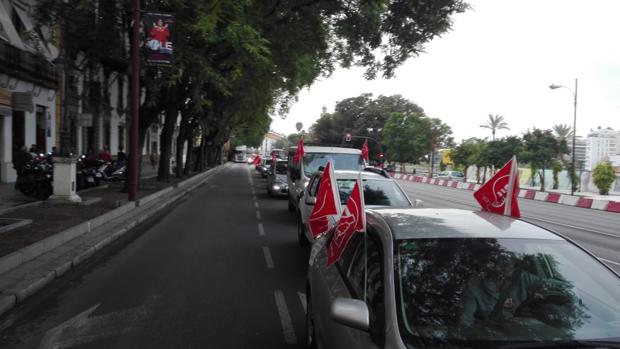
350	312
310	200
418	203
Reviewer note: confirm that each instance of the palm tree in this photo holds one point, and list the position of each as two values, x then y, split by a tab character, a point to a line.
563	131
495	123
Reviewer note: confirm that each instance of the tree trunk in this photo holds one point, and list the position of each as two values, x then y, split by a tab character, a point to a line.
181	138
484	175
477	174
167	132
542	179
465	174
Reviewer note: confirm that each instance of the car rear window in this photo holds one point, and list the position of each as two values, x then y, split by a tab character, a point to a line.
376	192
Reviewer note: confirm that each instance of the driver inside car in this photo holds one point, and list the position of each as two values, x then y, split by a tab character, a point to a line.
503	292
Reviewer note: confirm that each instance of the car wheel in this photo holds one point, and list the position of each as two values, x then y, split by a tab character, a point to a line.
301	232
310	334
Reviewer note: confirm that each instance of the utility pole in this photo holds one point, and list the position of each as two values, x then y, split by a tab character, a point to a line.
132	180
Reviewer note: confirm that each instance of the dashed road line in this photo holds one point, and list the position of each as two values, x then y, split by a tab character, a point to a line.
257	214
285	318
256	205
261	229
268	258
303	300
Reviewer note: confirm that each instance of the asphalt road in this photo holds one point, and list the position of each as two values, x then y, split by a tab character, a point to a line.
597	231
220	270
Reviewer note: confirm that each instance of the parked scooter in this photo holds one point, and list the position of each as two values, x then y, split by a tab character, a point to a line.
36	177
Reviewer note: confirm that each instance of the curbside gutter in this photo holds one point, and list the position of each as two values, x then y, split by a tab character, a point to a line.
531	194
28	270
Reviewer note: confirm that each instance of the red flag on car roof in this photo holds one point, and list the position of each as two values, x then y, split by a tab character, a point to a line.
352	220
327	203
257	160
499	194
299	153
365	151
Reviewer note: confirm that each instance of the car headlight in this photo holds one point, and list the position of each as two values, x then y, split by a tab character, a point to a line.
276	187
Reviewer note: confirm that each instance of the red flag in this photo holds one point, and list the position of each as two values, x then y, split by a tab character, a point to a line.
299	153
352	220
365	151
499	194
257	160
327	203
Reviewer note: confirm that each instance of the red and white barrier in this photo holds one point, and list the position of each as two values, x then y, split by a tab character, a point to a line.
531	194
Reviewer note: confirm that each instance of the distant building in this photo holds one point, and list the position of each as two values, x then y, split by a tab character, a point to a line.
580	151
269	142
601	145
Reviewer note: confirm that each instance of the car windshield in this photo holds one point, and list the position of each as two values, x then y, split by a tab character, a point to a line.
376	192
482	293
281	167
312	162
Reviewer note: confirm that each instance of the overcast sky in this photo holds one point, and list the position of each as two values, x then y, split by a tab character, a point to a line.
500	58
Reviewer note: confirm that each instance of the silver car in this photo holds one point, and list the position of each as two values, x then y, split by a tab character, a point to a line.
276	179
379	190
452	278
451	176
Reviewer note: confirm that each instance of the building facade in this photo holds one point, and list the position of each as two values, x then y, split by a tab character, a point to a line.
601	144
28	84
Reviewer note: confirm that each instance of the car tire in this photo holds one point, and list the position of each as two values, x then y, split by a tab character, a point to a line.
310	333
301	232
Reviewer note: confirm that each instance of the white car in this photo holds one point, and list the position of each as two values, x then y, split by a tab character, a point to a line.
380	190
451	176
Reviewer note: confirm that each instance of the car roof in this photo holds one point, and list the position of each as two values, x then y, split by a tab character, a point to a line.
335	150
349	174
420	223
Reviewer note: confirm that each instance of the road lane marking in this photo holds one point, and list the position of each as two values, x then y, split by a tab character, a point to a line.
608	261
285	318
256	205
268	258
304	302
254	197
257	214
261	229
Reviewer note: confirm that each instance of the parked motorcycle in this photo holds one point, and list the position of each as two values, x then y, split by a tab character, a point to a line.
35	179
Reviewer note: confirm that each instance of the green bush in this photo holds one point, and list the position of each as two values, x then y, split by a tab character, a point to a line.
603	176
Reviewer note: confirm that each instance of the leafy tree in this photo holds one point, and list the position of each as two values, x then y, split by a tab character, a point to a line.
464	155
439	136
495	123
406	137
500	151
556	167
540	148
603	177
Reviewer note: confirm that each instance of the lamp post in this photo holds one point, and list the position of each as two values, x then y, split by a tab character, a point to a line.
132	180
574	92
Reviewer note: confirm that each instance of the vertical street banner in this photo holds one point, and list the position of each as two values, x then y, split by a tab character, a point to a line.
159	43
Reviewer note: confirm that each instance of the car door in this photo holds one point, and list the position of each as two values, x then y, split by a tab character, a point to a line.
311	191
358	274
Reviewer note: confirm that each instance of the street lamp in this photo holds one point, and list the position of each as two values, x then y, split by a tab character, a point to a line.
574	92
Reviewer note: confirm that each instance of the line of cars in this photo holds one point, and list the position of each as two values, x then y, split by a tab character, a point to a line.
431	278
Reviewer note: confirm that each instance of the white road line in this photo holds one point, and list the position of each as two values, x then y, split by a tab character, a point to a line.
304	302
257	214
285	318
254	197
261	229
268	259
256	204
608	261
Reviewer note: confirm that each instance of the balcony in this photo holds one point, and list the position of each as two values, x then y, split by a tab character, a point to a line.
27	66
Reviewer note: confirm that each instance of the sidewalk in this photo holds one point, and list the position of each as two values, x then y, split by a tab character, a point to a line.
11	197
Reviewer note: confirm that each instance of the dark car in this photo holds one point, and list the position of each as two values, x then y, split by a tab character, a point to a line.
276	178
423	278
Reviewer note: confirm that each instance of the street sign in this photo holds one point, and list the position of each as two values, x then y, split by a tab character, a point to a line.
347	137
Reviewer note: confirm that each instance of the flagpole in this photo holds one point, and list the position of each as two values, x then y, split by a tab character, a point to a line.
511	183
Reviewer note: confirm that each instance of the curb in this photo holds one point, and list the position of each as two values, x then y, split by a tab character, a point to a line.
531	194
28	270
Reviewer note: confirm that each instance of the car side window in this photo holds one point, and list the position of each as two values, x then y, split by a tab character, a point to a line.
314	185
369	279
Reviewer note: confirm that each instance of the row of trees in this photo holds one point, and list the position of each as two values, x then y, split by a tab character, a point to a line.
398	128
541	149
240	61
